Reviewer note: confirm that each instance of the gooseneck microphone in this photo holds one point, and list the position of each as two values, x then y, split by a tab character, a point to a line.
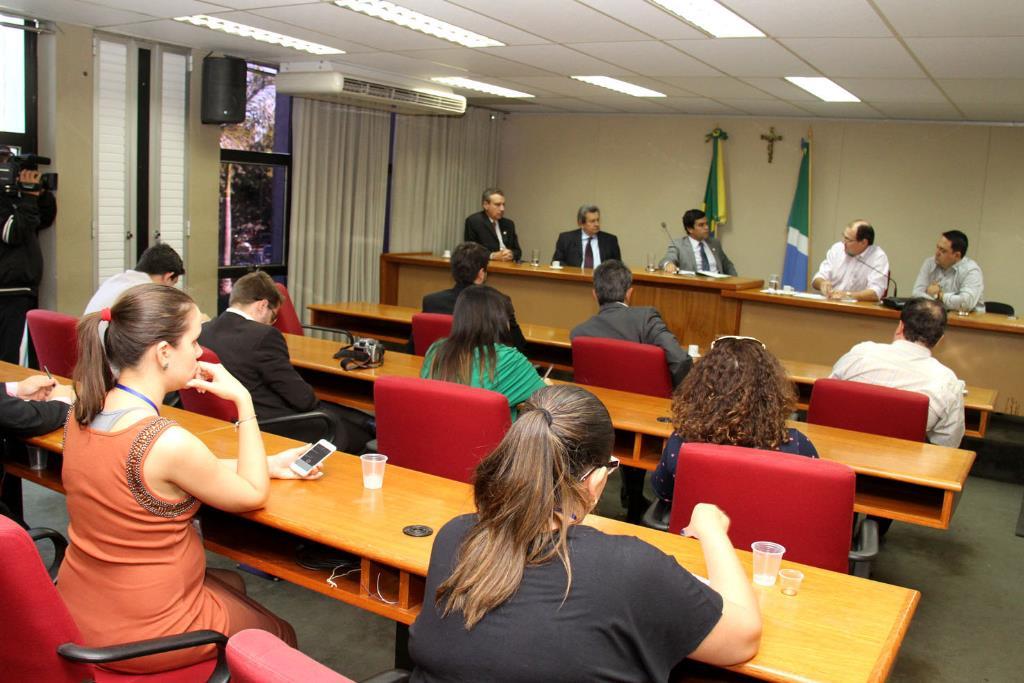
888	279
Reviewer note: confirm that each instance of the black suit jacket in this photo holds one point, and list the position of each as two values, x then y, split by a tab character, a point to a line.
444	302
641	324
479	229
256	354
30	418
569	247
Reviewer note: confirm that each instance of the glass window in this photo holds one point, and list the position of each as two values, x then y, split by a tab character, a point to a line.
12	77
252	203
256	133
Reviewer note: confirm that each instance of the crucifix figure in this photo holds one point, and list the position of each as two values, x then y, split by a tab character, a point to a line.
771	137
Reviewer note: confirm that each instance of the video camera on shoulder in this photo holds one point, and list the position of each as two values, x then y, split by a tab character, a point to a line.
12	166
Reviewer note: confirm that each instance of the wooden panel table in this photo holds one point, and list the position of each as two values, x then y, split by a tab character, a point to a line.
839	628
693	306
908	481
983	347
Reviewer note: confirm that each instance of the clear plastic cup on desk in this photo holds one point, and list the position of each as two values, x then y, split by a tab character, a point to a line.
773	282
767	560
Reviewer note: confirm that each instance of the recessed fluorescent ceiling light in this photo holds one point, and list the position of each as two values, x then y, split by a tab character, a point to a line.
403	16
259	34
619	86
712	17
468	84
823	88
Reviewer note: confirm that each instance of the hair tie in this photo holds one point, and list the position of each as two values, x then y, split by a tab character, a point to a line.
105	315
547	415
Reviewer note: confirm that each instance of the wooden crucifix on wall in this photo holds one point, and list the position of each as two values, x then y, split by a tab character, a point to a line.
771	137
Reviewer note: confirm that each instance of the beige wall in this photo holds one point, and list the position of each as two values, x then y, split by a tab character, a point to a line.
66	134
911	180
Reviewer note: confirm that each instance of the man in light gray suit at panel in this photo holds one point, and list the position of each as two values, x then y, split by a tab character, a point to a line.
698	250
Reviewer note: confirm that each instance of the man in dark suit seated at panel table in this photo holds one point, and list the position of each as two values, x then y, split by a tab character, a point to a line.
698	250
586	246
616	319
469	267
491	229
255	352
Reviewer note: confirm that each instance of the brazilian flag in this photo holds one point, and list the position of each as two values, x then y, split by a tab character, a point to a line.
714	193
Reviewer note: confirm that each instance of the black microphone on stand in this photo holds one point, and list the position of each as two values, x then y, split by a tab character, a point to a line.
893	301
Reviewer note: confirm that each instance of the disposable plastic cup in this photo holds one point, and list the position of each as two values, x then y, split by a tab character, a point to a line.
767	559
693	350
447	253
789	580
37	458
556	264
373	470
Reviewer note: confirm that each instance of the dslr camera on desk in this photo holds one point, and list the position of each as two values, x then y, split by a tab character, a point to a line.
360	352
11	167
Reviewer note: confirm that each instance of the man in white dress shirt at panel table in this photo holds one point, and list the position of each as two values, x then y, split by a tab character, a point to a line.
951	278
698	250
854	268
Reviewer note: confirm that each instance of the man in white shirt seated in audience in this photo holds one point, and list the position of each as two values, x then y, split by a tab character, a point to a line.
159	264
907	363
951	278
854	268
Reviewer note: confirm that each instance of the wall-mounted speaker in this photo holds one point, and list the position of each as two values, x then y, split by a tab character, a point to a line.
223	90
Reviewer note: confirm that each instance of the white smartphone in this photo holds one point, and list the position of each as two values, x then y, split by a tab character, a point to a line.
315	455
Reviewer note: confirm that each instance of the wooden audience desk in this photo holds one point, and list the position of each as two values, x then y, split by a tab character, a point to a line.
903	480
551	345
693	306
839	628
983	347
978	402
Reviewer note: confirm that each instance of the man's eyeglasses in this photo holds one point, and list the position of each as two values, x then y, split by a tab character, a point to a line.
273	314
612	465
739	338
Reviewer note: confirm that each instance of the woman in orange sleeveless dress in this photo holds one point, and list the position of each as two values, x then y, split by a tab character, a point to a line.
135	568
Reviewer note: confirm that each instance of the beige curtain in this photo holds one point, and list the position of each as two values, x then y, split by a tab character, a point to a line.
339	193
441	165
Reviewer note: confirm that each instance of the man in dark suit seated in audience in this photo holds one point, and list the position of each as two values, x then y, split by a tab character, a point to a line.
469	267
587	246
35	405
616	319
254	351
491	229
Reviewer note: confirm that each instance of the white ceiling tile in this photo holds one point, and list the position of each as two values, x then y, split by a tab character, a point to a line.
826	18
850	110
468	59
647	18
718	87
163	9
74	12
987	90
923	111
952	18
556	85
746	57
781	88
699	105
758	107
348	25
571	104
856	57
470	20
255	4
893	89
970	58
391	63
523	108
650	58
560	22
633	105
557	59
994	112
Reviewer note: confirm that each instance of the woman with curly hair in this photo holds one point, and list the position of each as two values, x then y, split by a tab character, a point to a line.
737	395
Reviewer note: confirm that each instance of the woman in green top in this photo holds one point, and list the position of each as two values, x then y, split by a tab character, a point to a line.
474	354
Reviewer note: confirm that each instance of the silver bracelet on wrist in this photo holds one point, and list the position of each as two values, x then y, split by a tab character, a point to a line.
238	422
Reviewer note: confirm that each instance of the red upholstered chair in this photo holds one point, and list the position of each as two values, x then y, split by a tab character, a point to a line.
311	426
287	318
55	339
870	408
802	503
437	427
38	635
427	328
622	365
256	656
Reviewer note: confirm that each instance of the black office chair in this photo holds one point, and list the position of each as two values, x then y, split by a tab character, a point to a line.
998	308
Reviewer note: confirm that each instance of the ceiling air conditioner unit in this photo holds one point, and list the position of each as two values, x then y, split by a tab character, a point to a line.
332	86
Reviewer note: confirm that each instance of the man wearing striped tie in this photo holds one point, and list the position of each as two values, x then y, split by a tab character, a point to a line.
698	251
587	246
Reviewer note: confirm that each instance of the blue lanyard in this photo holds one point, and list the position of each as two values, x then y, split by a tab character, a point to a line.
137	394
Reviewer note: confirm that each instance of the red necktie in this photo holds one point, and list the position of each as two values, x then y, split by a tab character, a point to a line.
588	257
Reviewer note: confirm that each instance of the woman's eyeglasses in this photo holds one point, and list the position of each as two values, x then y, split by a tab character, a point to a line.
739	338
612	465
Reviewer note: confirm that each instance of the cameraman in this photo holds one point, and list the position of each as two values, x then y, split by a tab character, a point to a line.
24	210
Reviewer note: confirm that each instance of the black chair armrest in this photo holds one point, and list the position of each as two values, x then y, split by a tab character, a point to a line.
153	646
865	548
657	515
393	676
301	426
60	544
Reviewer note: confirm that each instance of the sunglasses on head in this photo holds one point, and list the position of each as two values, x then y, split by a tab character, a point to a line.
611	465
739	338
